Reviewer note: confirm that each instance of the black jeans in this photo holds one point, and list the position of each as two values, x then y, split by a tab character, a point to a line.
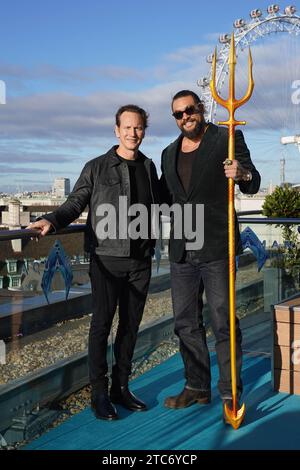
125	281
188	282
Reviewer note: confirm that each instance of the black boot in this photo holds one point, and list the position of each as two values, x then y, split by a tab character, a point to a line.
102	406
123	396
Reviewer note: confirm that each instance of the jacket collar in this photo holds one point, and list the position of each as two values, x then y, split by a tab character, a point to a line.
207	144
114	160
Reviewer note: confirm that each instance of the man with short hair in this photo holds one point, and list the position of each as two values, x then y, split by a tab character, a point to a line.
195	169
120	266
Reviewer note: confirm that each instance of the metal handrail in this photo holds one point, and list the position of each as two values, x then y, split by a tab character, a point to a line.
256	212
78	228
32	233
269	220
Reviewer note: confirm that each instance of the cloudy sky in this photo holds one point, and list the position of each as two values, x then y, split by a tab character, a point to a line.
68	65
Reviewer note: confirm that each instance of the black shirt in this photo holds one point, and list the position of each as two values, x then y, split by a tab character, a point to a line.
139	181
185	161
140	193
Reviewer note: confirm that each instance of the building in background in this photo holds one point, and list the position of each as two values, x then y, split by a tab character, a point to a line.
61	187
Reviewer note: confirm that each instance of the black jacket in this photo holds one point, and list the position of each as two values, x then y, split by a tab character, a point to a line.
102	180
208	186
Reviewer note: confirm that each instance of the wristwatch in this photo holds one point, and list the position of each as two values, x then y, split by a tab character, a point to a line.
247	176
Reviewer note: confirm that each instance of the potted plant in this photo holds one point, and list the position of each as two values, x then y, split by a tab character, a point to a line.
283	281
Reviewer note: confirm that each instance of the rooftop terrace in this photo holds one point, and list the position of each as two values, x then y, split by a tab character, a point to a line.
272	419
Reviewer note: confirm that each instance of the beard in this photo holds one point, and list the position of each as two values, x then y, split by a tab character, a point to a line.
196	132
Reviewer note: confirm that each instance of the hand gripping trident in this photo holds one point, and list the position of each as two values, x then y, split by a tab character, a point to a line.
234	416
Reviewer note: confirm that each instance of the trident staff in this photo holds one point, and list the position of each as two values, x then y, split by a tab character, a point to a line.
234	416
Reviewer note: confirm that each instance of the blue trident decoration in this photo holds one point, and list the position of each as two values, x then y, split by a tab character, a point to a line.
57	261
250	240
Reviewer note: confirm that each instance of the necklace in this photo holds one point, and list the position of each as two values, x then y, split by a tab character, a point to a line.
189	146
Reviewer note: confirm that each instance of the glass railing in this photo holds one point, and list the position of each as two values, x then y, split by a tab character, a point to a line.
281	271
37	335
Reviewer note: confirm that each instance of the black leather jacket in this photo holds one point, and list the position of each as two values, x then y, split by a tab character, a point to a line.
102	180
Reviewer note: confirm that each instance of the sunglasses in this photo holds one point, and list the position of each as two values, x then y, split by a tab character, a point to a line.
189	111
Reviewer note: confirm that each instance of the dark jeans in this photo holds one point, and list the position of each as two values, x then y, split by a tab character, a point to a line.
125	281
188	282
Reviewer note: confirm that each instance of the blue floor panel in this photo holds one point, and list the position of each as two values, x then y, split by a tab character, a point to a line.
272	419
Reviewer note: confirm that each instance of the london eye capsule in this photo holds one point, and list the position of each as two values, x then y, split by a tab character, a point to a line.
290	10
224	38
255	13
203	82
239	23
272	9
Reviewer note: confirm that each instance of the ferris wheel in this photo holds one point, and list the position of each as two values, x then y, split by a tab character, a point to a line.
277	70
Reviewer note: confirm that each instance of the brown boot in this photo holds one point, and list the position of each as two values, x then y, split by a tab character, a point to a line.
188	397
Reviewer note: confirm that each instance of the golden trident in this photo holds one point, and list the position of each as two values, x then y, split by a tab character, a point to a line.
234	416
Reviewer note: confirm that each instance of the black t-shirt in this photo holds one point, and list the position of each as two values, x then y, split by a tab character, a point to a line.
139	181
185	161
140	193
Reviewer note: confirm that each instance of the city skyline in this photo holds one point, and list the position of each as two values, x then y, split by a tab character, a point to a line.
68	67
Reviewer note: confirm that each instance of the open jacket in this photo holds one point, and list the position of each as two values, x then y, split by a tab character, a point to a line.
208	186
102	181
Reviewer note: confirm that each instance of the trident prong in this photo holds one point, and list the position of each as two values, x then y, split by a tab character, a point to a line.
234	416
231	104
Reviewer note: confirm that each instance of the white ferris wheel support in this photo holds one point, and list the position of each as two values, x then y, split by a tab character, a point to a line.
291	139
245	34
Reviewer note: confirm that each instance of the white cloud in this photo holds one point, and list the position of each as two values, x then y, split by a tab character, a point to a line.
69	127
68	75
189	54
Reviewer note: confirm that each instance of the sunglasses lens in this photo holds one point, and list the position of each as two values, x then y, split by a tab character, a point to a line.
189	111
178	114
